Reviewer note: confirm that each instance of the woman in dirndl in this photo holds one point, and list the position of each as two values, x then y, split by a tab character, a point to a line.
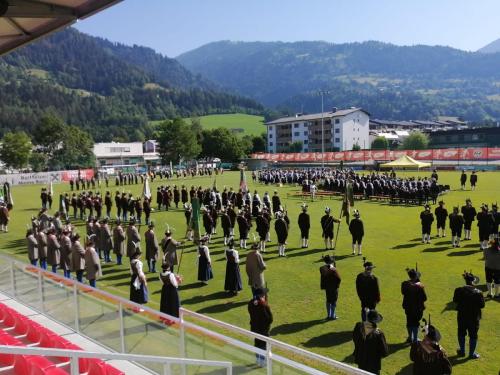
233	277
138	282
169	303
204	262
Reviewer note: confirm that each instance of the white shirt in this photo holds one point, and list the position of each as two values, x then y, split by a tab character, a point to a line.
138	266
207	253
171	278
235	255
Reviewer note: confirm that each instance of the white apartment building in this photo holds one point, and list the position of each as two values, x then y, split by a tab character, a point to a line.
342	130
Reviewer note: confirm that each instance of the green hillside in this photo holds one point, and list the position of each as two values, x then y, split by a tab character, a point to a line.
249	124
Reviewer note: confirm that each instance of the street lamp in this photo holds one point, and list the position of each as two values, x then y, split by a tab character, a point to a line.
323	93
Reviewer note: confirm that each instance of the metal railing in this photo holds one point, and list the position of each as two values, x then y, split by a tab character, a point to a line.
122	326
75	355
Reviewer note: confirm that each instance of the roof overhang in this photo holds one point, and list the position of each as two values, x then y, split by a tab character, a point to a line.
24	21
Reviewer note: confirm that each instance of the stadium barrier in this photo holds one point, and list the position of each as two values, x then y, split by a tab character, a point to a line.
45	177
131	329
447	154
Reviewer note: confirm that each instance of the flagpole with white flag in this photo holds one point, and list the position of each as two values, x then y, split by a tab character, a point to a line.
146	191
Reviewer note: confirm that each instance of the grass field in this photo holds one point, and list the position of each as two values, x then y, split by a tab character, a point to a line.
392	242
251	125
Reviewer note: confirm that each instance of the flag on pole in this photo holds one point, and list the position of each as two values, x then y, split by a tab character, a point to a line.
195	219
146	191
51	187
62	205
243	181
348	201
171	168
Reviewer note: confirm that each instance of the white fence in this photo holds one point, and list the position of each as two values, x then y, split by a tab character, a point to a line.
125	327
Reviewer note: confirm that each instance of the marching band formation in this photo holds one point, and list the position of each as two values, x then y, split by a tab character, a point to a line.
52	241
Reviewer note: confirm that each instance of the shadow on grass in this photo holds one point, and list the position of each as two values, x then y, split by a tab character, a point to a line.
288	328
407	370
190	286
329	339
471	246
456	360
208	297
463	253
14	244
393	348
450	306
222	307
405	246
436	249
118	276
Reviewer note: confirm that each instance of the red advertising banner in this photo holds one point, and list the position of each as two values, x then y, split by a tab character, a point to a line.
474	153
85	174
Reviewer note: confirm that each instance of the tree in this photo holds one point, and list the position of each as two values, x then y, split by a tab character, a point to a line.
223	144
416	141
380	143
16	150
259	143
356	147
75	151
175	140
294	147
49	133
38	161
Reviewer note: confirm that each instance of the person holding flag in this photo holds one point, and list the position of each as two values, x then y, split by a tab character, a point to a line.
327	226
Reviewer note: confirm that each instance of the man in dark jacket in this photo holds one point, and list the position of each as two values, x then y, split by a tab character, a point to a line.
262	226
441	215
484	223
304	222
357	230
367	289
469	213
469	302
456	225
281	227
276	202
370	345
473	180
463	180
426	219
330	282
327	228
428	357
413	303
261	319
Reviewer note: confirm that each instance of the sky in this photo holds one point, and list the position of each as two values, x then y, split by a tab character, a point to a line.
175	26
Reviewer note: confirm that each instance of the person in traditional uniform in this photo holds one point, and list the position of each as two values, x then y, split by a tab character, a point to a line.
133	239
204	262
473	180
152	248
492	269
414	298
261	319
456	225
281	228
255	267
429	358
138	282
463	180
426	220
441	215
119	243
93	269
53	250
169	247
225	222
469	301
32	247
188	213
105	240
243	227
208	222
4	217
495	221
357	230
330	283
469	213
304	222
276	201
177	196
77	257
484	222
370	345
146	204
65	242
169	302
232	217
367	289
41	238
262	226
327	228
232	282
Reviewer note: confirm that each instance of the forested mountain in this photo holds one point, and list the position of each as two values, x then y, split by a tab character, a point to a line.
389	81
492	47
108	89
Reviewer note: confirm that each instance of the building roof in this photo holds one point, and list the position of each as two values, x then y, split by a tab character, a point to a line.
475	130
392	123
23	21
316	116
118	150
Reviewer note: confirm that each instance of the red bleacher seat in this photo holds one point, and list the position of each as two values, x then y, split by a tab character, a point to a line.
6	339
96	367
110	370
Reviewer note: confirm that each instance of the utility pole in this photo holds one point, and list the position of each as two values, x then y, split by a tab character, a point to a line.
323	93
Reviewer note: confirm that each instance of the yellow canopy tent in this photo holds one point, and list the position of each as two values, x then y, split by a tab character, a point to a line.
405	162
